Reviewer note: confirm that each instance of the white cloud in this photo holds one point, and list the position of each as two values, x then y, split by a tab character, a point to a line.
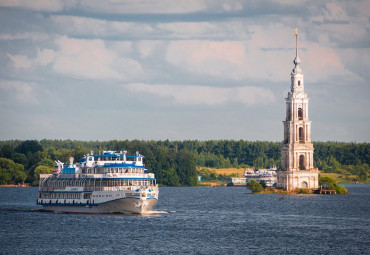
74	25
20	61
23	92
34	36
146	7
335	12
266	56
218	59
148	48
205	95
91	59
127	6
128	69
190	29
38	5
46	56
321	64
123	48
83	59
358	60
99	27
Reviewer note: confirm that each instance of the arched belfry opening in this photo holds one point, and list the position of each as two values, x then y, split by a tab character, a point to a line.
304	185
301	135
300	113
302	162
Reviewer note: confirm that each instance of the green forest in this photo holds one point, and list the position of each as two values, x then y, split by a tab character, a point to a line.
175	162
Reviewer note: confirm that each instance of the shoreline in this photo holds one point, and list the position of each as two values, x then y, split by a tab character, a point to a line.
17	185
200	184
290	192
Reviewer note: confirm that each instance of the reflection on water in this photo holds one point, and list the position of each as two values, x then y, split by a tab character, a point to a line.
202	220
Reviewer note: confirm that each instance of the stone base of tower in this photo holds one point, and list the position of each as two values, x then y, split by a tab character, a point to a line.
302	179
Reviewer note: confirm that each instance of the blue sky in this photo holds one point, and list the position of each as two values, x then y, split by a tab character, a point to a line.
178	70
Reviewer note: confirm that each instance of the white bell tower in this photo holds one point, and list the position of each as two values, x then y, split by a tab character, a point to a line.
297	169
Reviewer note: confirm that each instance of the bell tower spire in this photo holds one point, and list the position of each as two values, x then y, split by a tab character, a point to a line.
296	61
297	73
297	169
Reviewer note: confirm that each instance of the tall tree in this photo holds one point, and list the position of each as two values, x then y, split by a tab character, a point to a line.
186	168
11	173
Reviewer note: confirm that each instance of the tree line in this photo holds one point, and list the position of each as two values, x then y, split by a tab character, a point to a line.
175	162
23	161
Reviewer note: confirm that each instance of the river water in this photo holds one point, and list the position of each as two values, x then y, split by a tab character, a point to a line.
194	220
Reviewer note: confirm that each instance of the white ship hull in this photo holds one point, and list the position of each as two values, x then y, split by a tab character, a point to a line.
116	201
123	205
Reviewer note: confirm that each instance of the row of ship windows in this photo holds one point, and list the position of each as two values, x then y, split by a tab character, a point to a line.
72	195
94	183
115	195
116	159
130	182
112	170
60	195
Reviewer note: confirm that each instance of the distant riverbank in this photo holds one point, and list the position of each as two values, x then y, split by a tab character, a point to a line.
16	185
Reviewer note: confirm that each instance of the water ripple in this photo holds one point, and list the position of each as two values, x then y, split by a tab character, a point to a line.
201	220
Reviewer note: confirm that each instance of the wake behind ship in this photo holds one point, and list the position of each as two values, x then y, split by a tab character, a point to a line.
111	182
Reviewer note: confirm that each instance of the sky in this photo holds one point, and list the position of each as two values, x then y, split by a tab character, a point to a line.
181	70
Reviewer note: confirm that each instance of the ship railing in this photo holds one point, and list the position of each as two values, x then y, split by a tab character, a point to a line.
118	175
98	176
120	188
101	188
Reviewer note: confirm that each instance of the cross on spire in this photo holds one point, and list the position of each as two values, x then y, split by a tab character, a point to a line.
296	61
296	41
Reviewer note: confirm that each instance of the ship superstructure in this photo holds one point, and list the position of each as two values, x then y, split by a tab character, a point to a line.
108	182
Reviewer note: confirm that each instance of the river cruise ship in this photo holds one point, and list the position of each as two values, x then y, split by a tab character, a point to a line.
266	175
108	182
